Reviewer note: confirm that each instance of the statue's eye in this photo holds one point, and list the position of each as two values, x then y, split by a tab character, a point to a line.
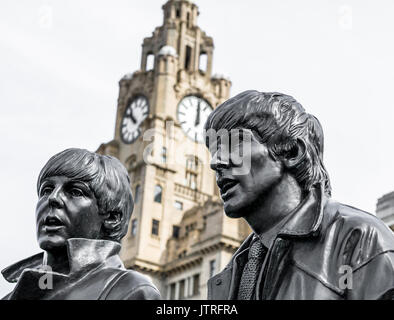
75	192
46	191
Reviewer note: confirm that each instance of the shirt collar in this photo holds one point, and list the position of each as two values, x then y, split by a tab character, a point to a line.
84	255
268	237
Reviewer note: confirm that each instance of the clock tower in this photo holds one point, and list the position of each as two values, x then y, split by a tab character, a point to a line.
178	234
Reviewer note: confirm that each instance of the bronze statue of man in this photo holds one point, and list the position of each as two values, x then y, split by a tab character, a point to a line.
83	210
304	245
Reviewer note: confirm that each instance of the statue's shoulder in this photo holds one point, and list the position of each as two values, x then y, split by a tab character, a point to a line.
357	218
361	227
131	285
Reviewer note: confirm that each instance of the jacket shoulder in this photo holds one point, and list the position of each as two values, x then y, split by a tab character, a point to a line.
354	218
131	285
362	233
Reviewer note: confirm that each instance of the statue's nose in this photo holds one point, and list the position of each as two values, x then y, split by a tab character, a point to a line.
55	199
219	161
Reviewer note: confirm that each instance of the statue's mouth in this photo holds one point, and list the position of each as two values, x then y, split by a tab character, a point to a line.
52	223
226	185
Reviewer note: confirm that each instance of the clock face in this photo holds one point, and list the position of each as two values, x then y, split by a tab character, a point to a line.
192	113
136	112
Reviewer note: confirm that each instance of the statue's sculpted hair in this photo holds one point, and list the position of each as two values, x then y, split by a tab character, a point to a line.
279	121
106	177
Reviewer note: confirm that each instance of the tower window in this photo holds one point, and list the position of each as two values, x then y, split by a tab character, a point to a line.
196	284
157	194
191	172
137	193
212	268
175	232
134	227
150	61
178	205
172	291
188	286
155	227
203	62
188	57
164	155
182	289
178	13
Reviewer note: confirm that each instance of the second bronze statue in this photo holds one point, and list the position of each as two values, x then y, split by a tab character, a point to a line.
267	153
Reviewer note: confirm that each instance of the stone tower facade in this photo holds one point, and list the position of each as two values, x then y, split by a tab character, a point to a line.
178	233
385	209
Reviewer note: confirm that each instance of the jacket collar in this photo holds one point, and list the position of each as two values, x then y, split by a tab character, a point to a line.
83	255
307	217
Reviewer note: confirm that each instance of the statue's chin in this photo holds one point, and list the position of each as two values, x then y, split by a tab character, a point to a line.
52	243
233	210
239	206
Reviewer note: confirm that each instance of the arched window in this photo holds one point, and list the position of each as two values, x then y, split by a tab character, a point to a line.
150	61
157	194
188	57
203	62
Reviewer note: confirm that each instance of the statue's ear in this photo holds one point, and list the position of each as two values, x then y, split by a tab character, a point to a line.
295	155
112	220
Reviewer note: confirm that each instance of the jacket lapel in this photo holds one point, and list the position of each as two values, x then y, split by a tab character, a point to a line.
276	264
219	285
224	285
28	286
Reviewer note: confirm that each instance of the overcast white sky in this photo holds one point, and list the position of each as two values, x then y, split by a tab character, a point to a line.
60	63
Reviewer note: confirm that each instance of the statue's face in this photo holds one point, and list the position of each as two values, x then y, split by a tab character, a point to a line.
241	189
66	209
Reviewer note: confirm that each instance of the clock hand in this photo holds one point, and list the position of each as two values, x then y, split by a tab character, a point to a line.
197	122
132	117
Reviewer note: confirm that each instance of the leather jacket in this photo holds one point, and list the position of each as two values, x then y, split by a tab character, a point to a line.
325	250
96	273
